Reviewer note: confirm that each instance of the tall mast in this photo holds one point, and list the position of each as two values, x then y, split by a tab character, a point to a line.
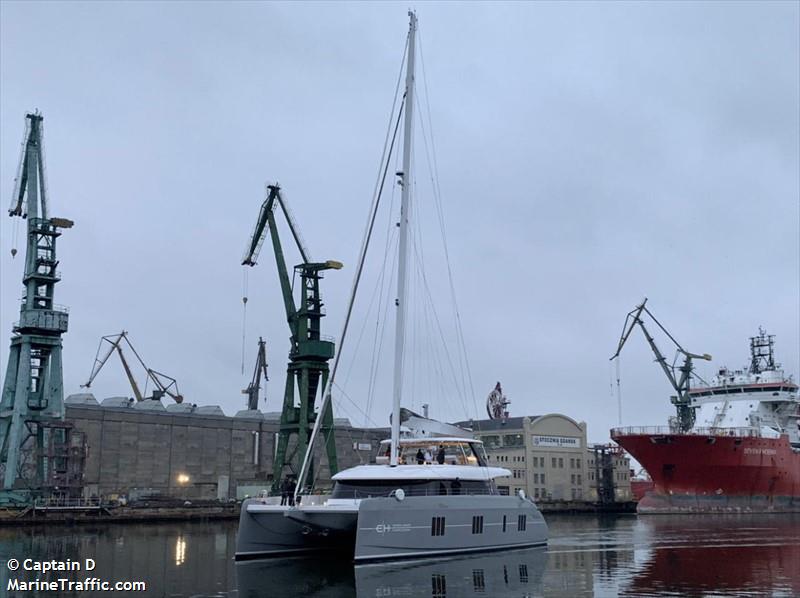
405	217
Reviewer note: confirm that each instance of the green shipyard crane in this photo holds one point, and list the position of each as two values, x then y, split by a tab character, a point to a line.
682	401
32	401
309	352
254	387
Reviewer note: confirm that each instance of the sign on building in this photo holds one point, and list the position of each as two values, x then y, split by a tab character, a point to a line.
556	441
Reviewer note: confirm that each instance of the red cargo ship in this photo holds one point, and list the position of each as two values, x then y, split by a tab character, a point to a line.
734	447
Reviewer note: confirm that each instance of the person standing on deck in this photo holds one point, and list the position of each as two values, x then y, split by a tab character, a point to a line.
440	455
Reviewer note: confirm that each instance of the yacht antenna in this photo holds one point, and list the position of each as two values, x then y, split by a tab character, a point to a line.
405	216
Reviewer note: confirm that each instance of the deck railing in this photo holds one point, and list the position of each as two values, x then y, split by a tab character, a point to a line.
748	431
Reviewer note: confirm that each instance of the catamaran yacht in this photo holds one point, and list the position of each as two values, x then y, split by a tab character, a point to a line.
398	507
380	511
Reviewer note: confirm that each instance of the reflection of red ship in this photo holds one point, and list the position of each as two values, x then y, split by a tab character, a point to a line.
735	444
751	554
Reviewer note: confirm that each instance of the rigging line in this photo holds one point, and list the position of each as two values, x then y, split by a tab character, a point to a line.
244	314
390	232
380	338
619	395
438	324
384	157
365	246
428	110
466	371
351	303
377	291
390	248
347	396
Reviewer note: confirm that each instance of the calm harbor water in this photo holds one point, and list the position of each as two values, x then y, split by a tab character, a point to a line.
756	555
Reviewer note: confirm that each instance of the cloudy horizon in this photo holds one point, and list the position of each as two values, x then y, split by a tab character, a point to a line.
589	155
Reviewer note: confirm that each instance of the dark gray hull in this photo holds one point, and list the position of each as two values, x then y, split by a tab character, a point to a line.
388	528
286	531
393	529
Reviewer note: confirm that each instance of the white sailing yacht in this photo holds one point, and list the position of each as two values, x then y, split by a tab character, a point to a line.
398	509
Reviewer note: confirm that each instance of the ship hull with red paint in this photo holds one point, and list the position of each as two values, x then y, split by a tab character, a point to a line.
715	473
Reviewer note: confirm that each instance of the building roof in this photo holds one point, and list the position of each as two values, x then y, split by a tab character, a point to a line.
492	425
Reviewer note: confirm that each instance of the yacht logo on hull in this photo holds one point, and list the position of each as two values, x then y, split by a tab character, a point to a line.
386	528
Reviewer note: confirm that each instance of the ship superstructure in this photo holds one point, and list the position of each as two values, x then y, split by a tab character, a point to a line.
760	400
741	452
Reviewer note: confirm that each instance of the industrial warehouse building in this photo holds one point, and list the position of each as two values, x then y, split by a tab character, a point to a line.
551	460
138	450
144	450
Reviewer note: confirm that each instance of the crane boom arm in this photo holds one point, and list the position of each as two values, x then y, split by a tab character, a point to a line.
115	342
264	224
136	392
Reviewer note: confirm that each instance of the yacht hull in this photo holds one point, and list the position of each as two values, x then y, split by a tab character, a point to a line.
273	530
393	529
388	528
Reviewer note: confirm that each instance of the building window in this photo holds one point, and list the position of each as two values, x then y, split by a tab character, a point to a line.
572	463
541	477
477	524
536	478
555	462
579	480
572	479
513	440
561	462
522	523
437	526
491	441
573	494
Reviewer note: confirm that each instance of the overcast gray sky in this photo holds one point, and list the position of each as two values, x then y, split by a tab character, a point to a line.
588	154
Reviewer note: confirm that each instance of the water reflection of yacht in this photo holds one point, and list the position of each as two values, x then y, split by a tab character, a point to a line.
511	573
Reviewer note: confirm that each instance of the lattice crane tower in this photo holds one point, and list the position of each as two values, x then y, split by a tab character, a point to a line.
33	389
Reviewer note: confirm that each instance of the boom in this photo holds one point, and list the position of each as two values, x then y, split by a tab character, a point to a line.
680	382
165	385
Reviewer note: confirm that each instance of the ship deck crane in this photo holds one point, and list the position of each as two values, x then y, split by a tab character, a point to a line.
164	385
679	376
255	384
309	352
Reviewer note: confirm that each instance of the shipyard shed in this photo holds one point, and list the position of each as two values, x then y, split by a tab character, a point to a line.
143	451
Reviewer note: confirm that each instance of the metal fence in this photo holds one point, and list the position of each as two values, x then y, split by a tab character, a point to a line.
749	432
